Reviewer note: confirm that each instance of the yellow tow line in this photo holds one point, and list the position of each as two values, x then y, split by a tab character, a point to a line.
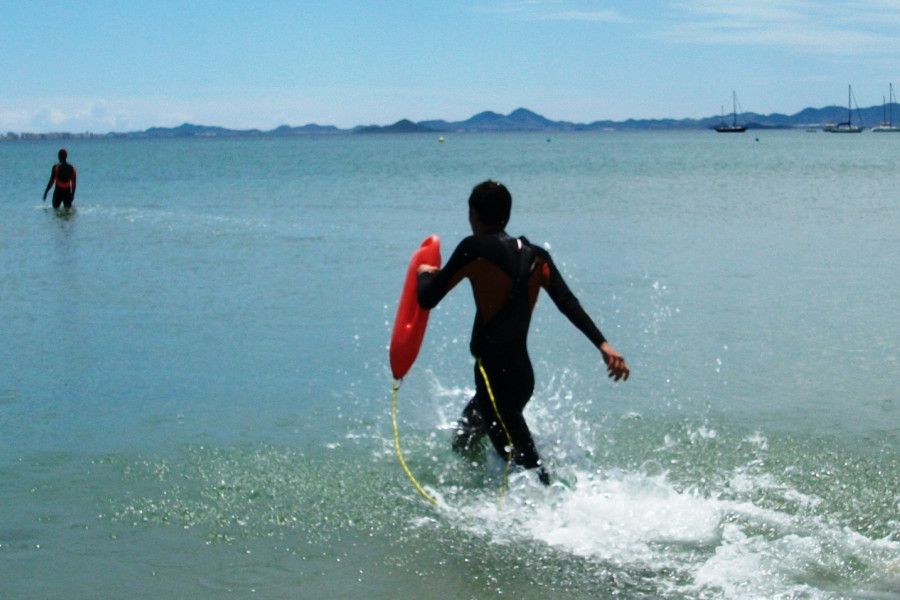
409	474
509	455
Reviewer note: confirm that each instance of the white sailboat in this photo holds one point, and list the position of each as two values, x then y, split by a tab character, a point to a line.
888	126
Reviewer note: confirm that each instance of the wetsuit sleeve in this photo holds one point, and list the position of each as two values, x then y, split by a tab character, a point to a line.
432	287
568	304
73	182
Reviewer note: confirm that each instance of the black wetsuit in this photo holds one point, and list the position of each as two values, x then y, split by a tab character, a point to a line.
506	275
63	175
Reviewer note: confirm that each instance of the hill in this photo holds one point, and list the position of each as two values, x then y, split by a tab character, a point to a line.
402	126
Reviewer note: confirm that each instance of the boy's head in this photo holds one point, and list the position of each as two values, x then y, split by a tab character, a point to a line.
492	202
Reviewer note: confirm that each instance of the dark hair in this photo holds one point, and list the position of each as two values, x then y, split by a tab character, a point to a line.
63	154
492	202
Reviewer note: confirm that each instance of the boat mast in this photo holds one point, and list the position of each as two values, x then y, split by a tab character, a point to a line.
734	108
849	111
891	104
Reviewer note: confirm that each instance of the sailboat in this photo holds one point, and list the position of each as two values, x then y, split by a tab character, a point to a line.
847	127
888	126
723	127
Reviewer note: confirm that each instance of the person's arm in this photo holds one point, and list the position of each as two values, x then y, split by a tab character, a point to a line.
434	283
52	180
569	305
73	183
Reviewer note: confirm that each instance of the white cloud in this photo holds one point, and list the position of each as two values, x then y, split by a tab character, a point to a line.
814	27
554	10
72	114
599	16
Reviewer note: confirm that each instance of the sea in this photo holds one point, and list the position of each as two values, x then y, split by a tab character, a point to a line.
196	398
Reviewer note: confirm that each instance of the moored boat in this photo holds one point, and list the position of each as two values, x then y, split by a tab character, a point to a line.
887	126
848	126
724	127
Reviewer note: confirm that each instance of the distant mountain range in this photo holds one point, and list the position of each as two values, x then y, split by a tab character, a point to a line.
522	120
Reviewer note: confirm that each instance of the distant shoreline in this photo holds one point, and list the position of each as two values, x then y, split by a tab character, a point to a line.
519	121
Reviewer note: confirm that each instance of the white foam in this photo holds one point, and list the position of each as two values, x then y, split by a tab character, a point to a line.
622	516
616	517
719	548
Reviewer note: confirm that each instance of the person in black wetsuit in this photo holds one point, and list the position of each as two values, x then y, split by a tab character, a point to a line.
63	176
506	274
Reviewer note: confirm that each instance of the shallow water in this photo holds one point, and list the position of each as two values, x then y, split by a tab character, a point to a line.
195	396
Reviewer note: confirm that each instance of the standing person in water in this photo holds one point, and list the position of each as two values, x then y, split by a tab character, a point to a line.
63	176
506	274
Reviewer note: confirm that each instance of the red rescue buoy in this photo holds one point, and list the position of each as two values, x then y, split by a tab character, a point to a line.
411	320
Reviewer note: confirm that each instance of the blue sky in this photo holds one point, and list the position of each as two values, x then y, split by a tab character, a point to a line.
100	66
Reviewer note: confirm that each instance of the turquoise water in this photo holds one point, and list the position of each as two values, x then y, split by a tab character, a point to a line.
195	395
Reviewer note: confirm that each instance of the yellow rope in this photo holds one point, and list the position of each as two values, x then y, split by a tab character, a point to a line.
409	474
509	456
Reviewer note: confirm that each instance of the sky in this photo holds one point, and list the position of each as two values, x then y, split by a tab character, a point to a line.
102	66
